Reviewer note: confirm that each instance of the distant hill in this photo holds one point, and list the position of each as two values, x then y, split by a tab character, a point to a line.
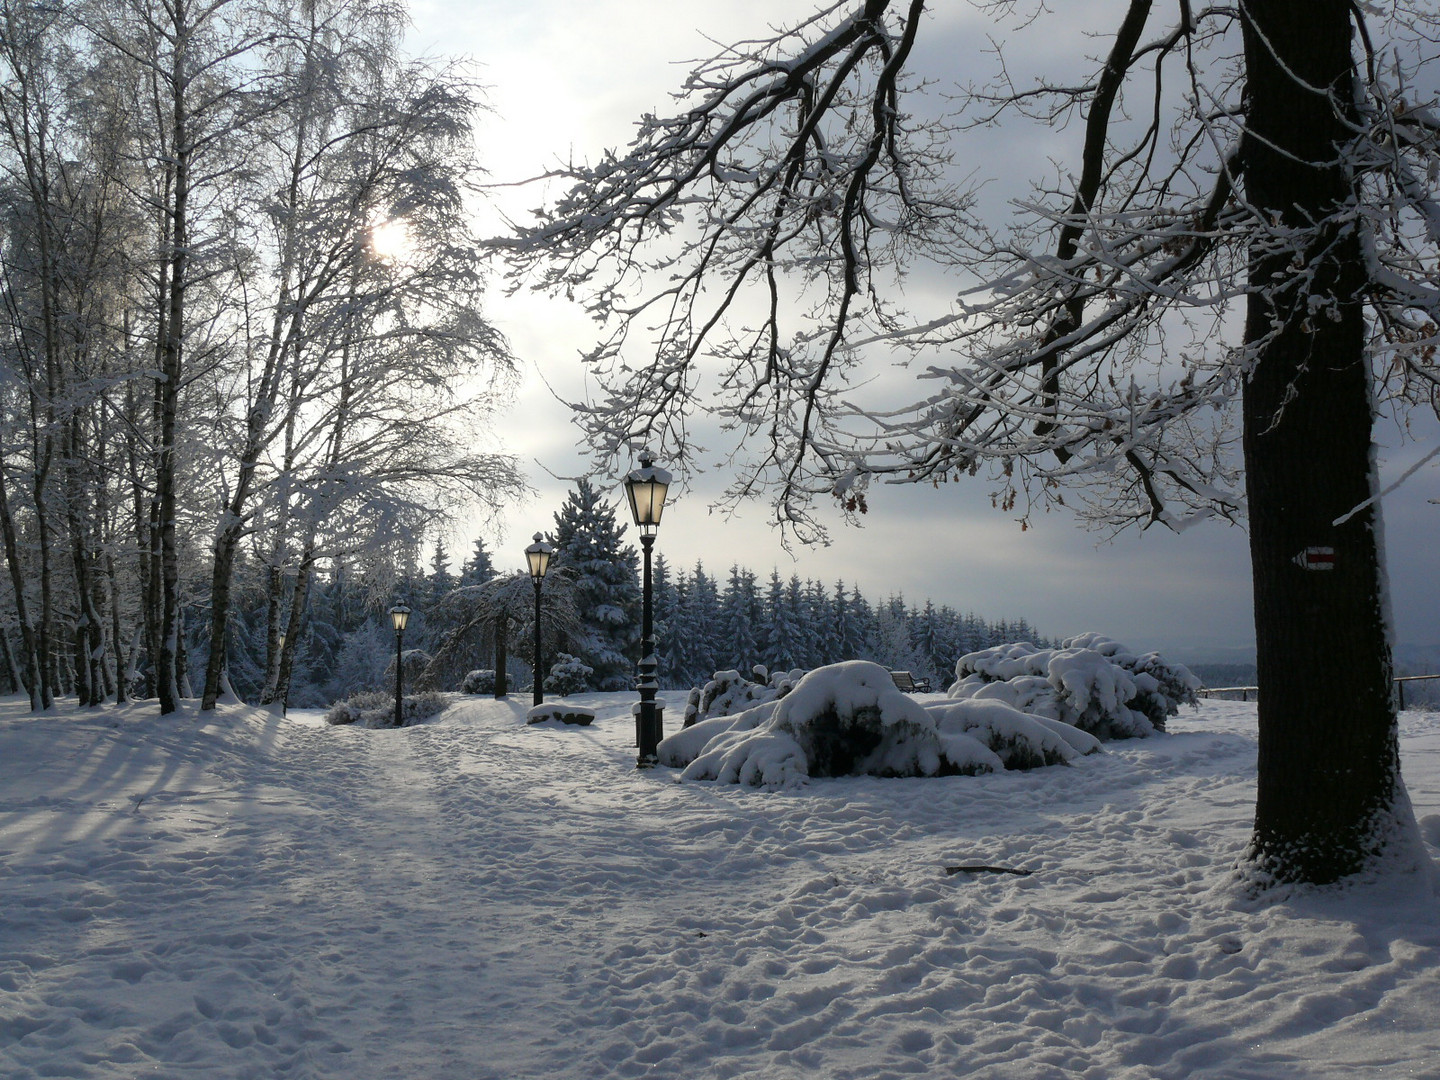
1213	675
1225	667
1417	659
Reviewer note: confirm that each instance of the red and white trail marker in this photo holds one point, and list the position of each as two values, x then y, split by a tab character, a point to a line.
1316	558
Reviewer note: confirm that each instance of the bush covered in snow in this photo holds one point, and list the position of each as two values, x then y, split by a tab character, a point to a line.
568	675
1019	740
376	709
849	719
1089	682
479	681
729	693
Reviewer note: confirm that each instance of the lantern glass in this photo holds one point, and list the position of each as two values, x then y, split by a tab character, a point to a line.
646	488
399	615
538	555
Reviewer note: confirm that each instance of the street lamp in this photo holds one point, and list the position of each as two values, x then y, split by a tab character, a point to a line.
646	488
399	616
538	556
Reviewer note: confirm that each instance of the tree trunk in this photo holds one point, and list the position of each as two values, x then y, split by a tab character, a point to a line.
29	644
7	658
89	628
121	690
295	623
274	635
222	573
502	646
1328	759
172	339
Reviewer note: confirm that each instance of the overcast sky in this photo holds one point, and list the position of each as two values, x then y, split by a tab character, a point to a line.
571	76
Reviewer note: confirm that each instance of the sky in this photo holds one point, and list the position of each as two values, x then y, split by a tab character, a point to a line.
570	77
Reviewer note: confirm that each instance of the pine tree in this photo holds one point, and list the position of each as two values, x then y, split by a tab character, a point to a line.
893	646
929	643
441	581
588	543
738	647
479	568
675	632
779	638
666	612
705	602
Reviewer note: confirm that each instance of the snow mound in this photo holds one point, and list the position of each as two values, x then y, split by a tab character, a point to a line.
680	749
1090	682
1020	741
562	713
729	693
842	720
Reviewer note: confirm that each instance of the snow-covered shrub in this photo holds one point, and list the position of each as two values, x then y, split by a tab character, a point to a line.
1163	686
841	720
568	675
479	681
376	709
1020	741
729	692
1089	682
687	744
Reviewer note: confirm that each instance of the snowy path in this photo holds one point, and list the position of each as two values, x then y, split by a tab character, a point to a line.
255	897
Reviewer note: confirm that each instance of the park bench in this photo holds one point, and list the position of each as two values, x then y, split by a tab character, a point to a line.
907	682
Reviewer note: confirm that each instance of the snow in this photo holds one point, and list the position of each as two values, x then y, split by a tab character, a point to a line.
850	718
1090	681
248	895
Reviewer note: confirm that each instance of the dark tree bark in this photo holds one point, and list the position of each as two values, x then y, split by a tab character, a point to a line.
502	647
8	666
167	392
1329	760
89	628
295	622
32	668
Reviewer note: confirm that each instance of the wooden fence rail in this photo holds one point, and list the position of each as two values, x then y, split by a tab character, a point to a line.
1246	691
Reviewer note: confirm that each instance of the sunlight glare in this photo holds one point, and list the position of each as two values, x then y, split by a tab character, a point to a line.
390	239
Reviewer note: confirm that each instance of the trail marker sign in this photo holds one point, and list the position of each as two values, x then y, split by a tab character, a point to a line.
1316	558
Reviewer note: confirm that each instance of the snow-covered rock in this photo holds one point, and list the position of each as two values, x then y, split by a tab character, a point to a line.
559	711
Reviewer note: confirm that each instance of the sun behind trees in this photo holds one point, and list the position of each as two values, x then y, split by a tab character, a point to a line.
1270	164
210	365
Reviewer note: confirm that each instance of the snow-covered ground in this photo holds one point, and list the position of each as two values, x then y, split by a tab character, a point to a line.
244	895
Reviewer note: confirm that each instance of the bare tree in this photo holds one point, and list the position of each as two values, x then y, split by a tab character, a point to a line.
1233	159
488	617
357	144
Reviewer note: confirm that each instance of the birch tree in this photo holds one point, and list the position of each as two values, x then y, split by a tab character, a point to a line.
361	261
1247	232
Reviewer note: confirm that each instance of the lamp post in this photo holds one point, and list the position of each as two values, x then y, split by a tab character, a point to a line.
399	616
646	488
538	556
